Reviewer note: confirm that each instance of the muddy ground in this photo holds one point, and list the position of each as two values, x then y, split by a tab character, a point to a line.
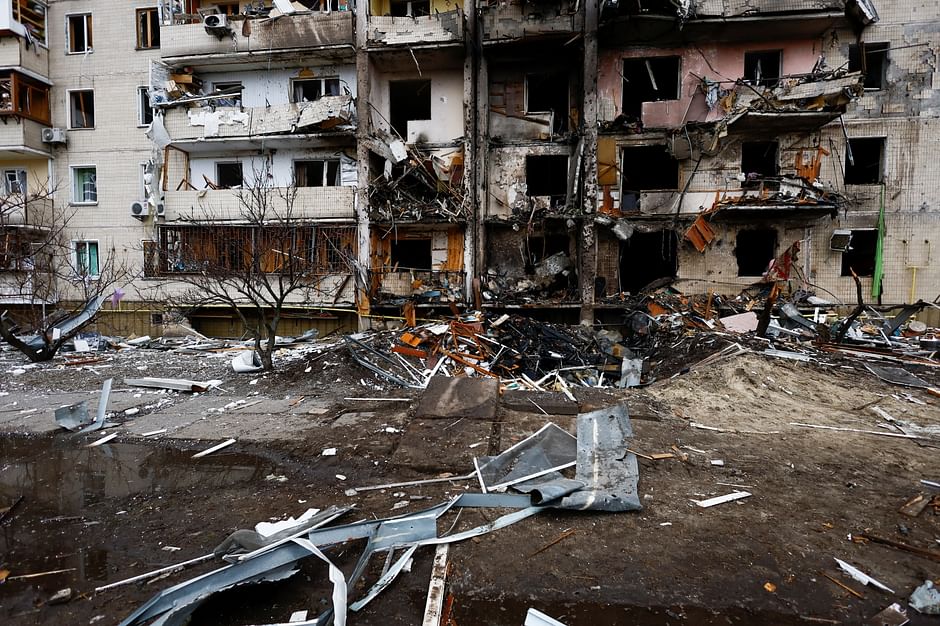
139	503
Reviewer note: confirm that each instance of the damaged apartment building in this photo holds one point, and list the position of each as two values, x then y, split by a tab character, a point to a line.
548	155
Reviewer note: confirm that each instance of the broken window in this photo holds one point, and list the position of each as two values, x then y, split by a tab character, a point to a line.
646	257
233	96
85	184
548	93
860	254
335	250
546	175
14	181
32	15
540	248
864	160
78	33
410	8
411	254
317	173
24	97
312	89
229	175
86	258
754	250
646	168
763	67
148	29
82	109
408	100
144	110
872	60
758	161
649	80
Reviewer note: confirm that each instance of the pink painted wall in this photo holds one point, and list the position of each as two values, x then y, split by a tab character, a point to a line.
723	62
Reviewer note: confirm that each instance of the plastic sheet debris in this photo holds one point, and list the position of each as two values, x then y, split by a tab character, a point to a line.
861	576
247	361
174	384
926	599
534	617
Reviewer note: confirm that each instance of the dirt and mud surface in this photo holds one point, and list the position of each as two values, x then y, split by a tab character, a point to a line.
139	503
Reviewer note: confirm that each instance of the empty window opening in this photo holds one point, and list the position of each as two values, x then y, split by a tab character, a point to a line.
540	248
646	168
410	8
763	68
84	185
754	250
82	109
872	60
548	93
312	89
647	257
14	181
547	175
233	93
411	254
759	160
229	175
148	29
86	258
79	33
649	80
863	161
144	110
860	255
408	100
317	173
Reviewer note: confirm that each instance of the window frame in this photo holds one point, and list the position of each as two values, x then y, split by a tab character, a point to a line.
322	80
22	181
71	122
72	184
75	258
766	83
138	24
218	179
228	84
324	181
88	27
143	91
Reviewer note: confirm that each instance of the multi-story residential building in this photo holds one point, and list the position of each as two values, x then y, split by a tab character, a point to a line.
547	156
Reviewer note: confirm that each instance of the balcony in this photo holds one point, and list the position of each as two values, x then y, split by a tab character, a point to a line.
25	213
226	204
15	55
190	43
22	136
513	22
333	113
388	30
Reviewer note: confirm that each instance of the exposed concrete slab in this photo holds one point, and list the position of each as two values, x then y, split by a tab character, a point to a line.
438	446
551	402
348	420
472	398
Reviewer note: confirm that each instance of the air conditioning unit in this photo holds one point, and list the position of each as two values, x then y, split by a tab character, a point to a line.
215	21
139	209
53	135
161	210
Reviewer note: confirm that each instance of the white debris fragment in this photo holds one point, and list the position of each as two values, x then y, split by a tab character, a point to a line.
132	411
328	452
341	477
861	576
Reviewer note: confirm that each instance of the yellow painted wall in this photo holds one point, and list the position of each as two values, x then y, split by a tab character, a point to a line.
37	171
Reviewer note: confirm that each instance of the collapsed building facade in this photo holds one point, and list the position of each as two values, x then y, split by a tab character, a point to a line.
548	155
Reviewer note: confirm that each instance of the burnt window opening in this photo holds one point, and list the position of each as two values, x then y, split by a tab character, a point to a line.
754	250
540	248
763	68
411	254
546	175
311	90
645	168
548	92
872	60
317	173
408	100
860	255
759	160
864	160
647	257
649	80
410	8
229	175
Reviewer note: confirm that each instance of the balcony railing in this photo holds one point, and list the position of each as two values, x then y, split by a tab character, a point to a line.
438	28
230	204
510	22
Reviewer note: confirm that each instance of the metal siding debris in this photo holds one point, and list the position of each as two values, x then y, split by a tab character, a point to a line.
861	576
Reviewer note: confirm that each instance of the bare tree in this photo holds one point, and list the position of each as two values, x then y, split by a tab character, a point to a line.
257	263
53	286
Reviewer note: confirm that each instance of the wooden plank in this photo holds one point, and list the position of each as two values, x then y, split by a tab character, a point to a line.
435	601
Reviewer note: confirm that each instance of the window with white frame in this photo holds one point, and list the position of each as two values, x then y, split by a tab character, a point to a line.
312	89
85	184
144	110
82	109
317	173
14	181
78	33
86	258
233	91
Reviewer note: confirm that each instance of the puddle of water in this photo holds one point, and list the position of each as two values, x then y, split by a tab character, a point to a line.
68	490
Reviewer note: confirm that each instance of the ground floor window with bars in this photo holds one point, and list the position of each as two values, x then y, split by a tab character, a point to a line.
270	249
